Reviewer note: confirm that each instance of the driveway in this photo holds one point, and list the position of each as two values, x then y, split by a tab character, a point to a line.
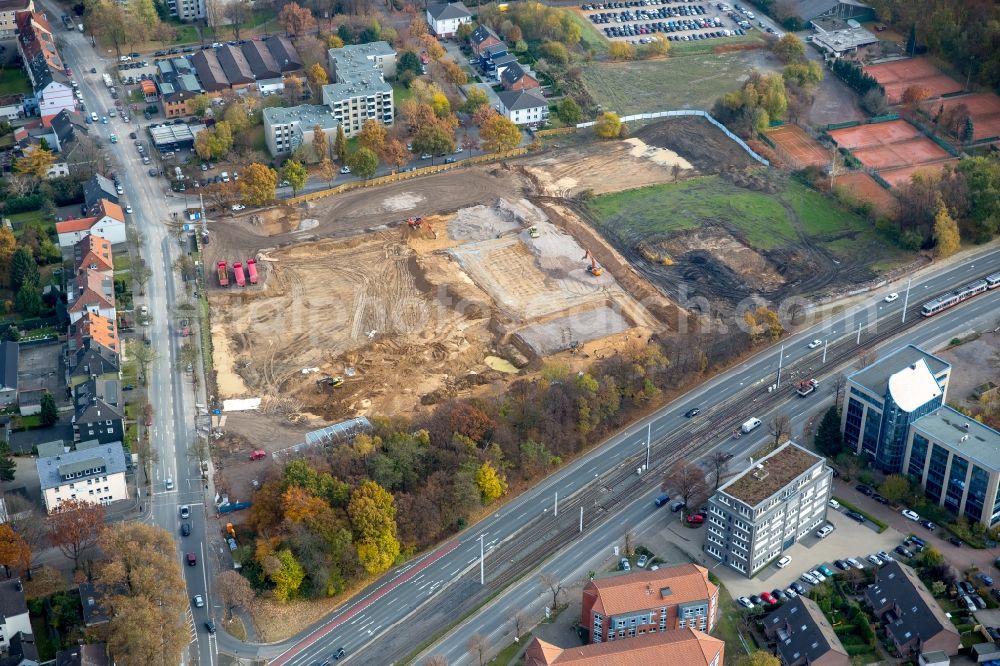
959	557
455	53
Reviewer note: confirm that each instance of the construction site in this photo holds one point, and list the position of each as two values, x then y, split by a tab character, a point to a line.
387	301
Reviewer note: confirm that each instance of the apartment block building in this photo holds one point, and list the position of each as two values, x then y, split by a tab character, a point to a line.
627	605
956	459
88	474
287	128
882	400
186	10
354	61
767	508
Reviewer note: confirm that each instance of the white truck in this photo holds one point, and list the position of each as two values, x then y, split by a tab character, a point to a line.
107	81
749	425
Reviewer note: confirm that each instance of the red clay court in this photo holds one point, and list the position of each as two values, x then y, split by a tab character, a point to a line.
891	148
983	107
898	75
864	188
799	147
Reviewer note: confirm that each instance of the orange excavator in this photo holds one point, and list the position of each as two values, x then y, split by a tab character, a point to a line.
414	222
593	269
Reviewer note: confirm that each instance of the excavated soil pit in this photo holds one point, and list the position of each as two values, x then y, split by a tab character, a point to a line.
714	254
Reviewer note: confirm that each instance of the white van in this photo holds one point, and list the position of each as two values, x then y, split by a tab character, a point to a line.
750	425
225	176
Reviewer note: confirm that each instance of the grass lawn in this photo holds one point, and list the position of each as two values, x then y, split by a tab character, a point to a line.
257	141
760	218
727	627
400	94
590	36
709	45
678	82
33	217
663	209
14	81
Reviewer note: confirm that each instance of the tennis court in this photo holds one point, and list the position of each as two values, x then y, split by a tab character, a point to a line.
894	149
984	109
898	75
864	188
798	147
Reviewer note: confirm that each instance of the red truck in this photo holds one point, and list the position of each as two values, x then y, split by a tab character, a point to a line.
252	271
223	270
805	387
241	280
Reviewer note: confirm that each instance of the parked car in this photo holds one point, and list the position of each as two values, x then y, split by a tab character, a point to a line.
875	559
911	514
757	601
824	531
695	519
833	504
779	594
745	602
797	586
825	570
928	524
886	557
345	169
969	604
809	578
966	587
768	598
979	601
854	515
902	550
677	506
783	562
843	565
881	500
643	559
986	579
818	575
624	565
855	562
955	541
864	490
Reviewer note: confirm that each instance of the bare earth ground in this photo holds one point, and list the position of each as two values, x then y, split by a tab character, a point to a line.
605	167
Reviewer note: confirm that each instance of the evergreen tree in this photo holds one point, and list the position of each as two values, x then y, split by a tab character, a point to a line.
23	268
49	414
829	441
28	301
969	131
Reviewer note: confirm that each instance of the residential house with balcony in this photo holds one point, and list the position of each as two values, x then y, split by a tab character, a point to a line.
92	474
98	411
444	19
524	107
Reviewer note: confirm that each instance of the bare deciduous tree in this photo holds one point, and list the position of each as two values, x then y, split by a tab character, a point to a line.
478	646
780	428
555	587
436	660
520	621
839	386
628	546
688	482
717	465
867	358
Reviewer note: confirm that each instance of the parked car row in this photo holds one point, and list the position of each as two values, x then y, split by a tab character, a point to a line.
630	3
643	15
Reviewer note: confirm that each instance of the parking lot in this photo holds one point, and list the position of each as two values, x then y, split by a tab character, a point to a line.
849	539
636	21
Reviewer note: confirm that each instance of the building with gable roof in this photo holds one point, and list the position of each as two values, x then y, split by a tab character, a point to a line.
98	411
625	605
92	359
515	77
913	620
93	327
444	19
88	654
93	253
92	292
261	61
13	611
8	10
803	636
45	68
687	647
98	187
235	66
107	220
284	53
210	73
524	107
481	38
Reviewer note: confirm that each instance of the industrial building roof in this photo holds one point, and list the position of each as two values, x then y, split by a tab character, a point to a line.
876	376
770	474
963	435
111	455
304	114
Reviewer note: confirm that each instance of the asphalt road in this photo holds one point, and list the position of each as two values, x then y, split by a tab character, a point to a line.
592	554
372	624
169	393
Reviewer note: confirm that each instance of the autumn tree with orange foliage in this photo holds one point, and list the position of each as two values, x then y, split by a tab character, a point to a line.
15	554
297	20
75	526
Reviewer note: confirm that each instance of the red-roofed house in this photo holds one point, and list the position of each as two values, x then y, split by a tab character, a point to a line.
631	604
93	253
92	326
93	292
680	647
37	47
108	222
